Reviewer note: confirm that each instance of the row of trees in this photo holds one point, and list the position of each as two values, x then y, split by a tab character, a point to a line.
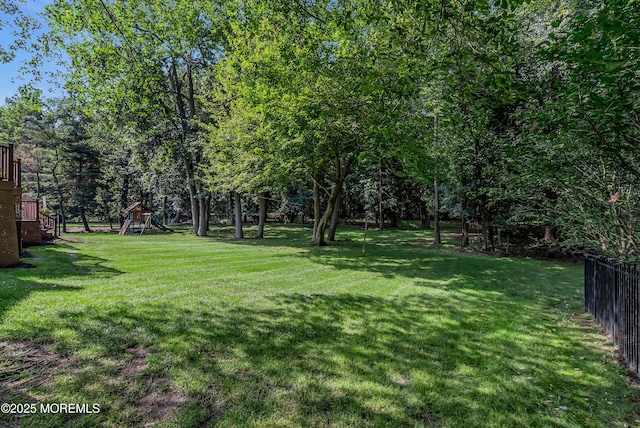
502	114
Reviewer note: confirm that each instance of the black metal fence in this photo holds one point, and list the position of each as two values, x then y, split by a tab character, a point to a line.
612	296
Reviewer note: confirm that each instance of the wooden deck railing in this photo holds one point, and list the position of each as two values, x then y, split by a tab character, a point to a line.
29	210
49	223
10	168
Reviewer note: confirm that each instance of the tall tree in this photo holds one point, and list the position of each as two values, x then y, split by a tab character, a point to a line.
148	58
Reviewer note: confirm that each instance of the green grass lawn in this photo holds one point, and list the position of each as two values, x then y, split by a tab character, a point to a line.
174	330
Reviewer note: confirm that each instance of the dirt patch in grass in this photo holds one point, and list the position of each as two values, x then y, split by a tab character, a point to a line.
28	369
428	418
25	365
161	399
160	404
137	363
214	405
94	229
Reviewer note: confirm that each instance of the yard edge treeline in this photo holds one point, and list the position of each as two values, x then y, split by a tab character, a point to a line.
505	115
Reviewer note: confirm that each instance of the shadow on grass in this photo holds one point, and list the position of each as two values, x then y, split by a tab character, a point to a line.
300	235
26	364
346	360
62	262
402	254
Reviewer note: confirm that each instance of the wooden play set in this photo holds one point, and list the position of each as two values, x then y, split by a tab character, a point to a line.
139	218
20	220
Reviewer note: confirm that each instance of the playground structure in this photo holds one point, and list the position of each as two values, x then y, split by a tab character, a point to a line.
139	218
10	207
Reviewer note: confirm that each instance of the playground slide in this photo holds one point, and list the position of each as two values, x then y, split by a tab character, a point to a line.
159	225
125	226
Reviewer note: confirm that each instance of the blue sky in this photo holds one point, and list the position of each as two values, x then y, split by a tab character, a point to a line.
10	76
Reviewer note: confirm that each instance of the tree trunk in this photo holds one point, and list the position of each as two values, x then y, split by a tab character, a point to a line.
202	212
195	208
202	216
364	240
316	204
107	213
436	217
380	210
342	169
124	193
60	199
85	223
194	192
464	239
78	189
335	216
191	92
549	230
262	215
549	234
426	221
38	183
492	239
425	216
208	212
176	219
238	210
486	235
165	214
394	220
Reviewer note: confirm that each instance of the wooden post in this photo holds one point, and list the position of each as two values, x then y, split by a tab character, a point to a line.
10	163
18	173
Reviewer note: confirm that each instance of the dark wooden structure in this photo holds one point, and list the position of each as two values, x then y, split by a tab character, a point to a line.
139	218
10	168
10	207
36	226
136	218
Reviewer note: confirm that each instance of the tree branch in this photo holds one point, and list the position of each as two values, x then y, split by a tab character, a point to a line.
308	12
